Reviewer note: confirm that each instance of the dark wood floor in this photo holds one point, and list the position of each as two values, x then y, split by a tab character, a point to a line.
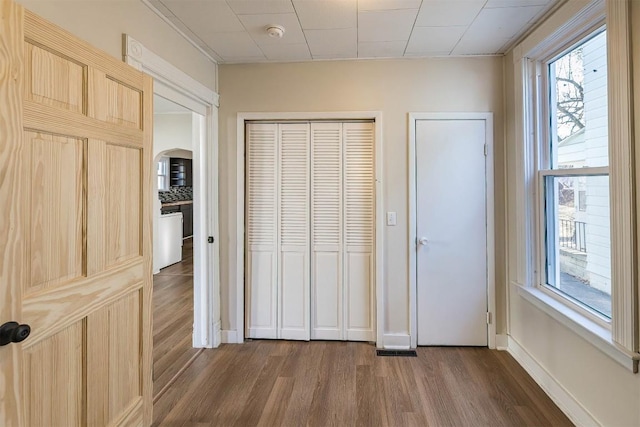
173	319
287	383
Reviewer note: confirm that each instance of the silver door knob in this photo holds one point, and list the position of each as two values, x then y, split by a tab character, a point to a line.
422	241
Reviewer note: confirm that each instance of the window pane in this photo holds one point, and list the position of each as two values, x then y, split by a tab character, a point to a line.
578	241
578	89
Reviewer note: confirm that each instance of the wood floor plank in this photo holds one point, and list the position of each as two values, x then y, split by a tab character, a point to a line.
173	319
288	383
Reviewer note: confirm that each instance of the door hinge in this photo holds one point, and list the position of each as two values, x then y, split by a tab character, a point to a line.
486	150
488	318
211	239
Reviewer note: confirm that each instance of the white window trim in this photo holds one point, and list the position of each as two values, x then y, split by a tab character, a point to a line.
571	22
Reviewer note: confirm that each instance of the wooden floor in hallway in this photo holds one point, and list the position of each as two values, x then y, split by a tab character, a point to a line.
288	383
173	319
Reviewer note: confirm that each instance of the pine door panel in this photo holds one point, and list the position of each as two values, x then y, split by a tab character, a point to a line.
53	79
54	379
56	209
79	187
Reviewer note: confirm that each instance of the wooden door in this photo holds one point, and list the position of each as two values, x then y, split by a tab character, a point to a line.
452	231
75	179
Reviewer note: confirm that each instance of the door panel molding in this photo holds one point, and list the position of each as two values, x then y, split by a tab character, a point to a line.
413	297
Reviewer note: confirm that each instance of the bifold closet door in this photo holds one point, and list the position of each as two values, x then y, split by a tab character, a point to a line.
293	261
278	267
359	232
262	230
326	234
343	216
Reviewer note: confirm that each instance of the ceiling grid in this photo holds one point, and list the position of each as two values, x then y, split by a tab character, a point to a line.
234	31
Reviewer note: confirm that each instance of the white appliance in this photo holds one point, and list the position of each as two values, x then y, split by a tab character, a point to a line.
169	249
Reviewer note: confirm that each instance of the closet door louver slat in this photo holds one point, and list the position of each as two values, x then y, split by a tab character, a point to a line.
326	219
359	219
294	230
261	230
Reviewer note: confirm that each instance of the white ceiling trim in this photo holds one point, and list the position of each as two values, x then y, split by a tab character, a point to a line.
179	31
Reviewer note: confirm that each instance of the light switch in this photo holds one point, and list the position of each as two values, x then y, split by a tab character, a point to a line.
391	218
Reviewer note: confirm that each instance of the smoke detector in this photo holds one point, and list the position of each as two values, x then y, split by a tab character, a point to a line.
275	31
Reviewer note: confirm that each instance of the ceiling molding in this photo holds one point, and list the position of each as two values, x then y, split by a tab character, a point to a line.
179	31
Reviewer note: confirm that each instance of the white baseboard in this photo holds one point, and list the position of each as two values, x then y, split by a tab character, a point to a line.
217	335
396	341
229	336
568	404
502	342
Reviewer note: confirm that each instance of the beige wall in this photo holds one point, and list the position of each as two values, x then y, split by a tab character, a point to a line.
394	87
609	392
102	24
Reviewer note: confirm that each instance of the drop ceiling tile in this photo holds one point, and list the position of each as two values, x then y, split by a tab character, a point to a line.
503	22
516	3
445	13
258	7
205	17
256	26
287	52
485	44
381	49
387	4
386	25
333	42
234	45
434	40
326	14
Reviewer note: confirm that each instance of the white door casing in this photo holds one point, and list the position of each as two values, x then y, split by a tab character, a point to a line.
174	84
451	190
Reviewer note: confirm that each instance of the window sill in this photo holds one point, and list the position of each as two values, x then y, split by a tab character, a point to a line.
589	330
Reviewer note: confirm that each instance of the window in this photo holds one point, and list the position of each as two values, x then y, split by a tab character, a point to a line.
574	167
163	173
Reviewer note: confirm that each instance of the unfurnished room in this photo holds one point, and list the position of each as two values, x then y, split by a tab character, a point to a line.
319	212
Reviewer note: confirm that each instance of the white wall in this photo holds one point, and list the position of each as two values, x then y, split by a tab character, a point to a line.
606	390
102	23
172	131
395	87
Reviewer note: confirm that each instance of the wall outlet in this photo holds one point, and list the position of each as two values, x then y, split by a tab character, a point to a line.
391	218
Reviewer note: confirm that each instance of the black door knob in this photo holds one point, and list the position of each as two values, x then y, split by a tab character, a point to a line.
13	332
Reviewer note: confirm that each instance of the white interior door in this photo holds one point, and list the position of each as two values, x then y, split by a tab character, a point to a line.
452	232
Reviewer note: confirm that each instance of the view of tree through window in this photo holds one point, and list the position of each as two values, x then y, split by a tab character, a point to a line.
577	205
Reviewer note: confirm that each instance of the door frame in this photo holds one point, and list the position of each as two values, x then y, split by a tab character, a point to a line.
175	85
243	117
413	218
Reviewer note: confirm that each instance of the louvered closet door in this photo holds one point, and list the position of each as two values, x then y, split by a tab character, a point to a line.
326	247
262	230
293	267
359	219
